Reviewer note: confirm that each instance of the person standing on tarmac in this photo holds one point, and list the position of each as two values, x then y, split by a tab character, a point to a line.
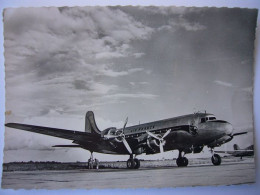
96	163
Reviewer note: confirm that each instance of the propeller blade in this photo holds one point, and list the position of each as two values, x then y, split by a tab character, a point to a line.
161	147
127	146
167	132
126	120
152	135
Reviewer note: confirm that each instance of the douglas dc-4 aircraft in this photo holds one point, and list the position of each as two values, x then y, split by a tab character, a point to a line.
238	152
188	134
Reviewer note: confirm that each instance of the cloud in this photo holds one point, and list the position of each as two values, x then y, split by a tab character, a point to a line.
178	18
137	95
182	23
58	56
138	83
222	83
246	90
55	40
111	73
138	55
166	10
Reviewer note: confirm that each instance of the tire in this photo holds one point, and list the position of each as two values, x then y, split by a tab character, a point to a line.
185	161
179	162
182	162
216	159
130	163
137	163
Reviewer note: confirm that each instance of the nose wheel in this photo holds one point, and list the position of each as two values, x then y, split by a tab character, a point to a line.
182	161
216	159
133	163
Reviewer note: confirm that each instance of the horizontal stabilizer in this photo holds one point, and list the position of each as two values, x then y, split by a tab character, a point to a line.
66	146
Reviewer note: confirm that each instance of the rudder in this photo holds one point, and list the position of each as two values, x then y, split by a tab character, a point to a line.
236	147
90	123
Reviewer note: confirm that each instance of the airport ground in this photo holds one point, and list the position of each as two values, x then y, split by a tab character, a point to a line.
228	173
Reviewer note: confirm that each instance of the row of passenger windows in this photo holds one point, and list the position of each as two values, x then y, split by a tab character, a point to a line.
142	128
139	134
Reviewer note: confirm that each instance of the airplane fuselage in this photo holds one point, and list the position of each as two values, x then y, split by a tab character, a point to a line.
188	133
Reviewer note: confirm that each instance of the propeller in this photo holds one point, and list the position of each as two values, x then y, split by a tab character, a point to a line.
160	138
123	137
120	137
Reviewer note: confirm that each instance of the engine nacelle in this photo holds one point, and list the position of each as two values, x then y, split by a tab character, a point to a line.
153	145
113	133
108	131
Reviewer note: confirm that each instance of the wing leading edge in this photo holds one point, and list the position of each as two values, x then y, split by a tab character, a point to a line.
55	132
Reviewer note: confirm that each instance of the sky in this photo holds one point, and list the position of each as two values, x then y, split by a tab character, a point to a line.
144	63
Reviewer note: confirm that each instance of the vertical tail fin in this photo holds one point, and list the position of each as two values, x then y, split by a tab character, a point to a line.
90	124
236	147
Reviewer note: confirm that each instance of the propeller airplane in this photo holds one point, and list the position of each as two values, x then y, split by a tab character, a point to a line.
187	134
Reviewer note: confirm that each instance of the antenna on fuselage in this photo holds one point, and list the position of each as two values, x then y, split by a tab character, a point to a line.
194	110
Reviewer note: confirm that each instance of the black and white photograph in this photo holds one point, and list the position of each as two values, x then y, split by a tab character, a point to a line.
108	97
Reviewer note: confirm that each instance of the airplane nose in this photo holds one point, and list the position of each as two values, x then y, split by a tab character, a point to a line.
228	128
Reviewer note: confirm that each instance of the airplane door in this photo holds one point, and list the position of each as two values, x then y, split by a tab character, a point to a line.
194	125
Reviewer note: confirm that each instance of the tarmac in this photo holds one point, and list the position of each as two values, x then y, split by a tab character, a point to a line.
171	176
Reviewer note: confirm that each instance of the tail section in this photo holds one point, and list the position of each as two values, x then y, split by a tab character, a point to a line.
236	147
90	124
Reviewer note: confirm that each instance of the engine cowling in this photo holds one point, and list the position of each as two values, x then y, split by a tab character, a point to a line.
108	131
153	145
113	132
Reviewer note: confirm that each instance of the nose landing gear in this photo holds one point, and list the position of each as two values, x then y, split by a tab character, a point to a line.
215	159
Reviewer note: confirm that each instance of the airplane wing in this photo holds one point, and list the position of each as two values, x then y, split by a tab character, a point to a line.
222	151
61	133
241	133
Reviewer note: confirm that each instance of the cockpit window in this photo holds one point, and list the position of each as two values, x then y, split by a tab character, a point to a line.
203	120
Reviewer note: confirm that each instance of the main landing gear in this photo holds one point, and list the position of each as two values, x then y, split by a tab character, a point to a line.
132	163
182	161
93	163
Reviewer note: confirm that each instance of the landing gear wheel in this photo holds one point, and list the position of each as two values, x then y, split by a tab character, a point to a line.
179	162
137	163
130	163
185	162
133	163
216	159
182	162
